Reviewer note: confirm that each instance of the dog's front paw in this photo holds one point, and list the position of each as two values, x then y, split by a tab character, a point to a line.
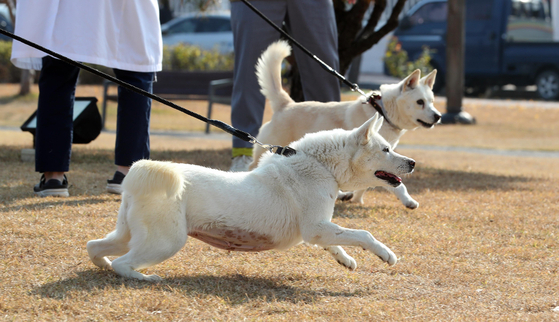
342	257
388	256
402	193
411	204
348	262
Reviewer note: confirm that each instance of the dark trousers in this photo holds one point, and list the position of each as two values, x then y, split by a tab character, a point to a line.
53	138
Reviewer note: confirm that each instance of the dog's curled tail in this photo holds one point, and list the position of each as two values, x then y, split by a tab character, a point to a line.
150	178
268	71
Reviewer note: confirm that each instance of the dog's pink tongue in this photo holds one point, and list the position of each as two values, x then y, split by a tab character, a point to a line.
387	176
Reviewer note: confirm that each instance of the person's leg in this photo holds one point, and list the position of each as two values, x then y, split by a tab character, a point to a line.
312	23
133	116
132	125
53	136
251	36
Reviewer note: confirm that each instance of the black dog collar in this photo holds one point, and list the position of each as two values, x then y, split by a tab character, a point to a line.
376	102
285	151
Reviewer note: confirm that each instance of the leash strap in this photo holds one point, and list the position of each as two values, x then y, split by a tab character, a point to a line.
353	86
285	151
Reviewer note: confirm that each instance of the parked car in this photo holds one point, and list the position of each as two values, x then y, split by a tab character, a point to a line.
506	42
209	31
5	22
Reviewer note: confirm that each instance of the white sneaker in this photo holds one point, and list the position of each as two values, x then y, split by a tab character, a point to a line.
240	163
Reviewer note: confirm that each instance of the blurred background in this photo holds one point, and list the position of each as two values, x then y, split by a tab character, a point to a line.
510	46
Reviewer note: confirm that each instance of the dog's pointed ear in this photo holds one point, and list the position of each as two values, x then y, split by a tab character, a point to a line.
429	80
377	124
369	128
411	81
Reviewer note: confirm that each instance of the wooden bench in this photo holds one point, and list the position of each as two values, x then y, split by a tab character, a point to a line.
216	87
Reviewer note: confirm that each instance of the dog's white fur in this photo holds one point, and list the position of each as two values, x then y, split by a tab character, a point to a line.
284	202
291	120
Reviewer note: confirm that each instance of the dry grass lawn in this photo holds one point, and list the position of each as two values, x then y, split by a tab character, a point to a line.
482	246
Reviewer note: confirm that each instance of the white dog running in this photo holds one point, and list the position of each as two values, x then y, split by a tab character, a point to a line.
282	203
407	106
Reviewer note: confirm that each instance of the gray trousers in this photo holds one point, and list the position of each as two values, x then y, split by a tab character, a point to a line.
312	24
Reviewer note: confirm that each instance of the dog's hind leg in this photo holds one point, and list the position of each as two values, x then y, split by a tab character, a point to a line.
345	196
154	239
112	245
116	242
402	193
342	257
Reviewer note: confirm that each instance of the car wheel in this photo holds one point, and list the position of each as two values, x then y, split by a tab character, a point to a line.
548	85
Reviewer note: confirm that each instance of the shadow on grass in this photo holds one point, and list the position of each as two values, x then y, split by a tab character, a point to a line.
40	204
235	289
452	180
353	210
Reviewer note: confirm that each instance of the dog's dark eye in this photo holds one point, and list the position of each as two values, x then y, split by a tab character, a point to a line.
386	150
420	102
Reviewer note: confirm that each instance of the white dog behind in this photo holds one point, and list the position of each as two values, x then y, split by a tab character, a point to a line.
282	203
407	106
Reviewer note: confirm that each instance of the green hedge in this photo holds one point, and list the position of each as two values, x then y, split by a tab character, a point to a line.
398	63
179	57
192	58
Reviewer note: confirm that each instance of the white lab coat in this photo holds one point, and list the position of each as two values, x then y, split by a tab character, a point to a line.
123	34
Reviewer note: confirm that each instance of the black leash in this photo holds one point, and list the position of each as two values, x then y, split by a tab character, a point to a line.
353	86
285	151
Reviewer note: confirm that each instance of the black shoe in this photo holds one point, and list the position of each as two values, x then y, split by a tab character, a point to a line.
115	184
53	187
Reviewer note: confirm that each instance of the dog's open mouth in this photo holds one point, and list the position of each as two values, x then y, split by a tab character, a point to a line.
392	179
425	124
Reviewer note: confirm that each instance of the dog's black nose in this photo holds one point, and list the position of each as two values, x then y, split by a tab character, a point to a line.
437	118
411	163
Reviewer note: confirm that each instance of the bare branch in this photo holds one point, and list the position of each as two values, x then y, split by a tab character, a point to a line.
367	41
351	23
378	10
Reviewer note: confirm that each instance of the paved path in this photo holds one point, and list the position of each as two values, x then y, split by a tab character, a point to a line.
510	153
222	140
